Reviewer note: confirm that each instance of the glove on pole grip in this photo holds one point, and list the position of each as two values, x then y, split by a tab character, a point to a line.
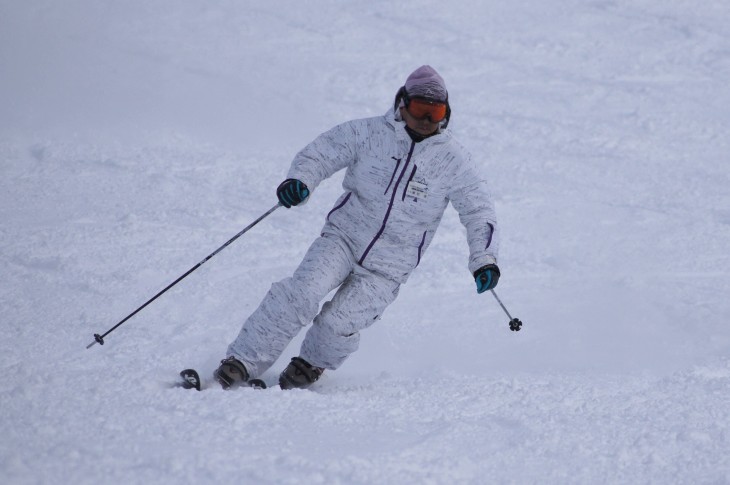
292	192
486	277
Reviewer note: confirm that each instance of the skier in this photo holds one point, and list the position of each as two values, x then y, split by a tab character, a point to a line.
403	168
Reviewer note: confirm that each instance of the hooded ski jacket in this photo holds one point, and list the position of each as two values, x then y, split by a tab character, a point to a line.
396	191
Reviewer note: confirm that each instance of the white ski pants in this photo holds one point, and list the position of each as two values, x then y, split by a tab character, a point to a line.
292	303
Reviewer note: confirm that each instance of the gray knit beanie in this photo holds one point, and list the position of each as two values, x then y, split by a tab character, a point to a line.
427	83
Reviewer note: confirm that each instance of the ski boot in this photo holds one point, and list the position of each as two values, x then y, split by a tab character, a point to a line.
231	373
299	374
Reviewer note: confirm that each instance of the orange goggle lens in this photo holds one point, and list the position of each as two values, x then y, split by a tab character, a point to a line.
421	108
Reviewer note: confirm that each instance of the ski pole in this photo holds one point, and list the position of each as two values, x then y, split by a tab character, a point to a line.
514	323
100	338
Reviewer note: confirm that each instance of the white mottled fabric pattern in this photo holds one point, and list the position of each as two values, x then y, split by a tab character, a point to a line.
395	193
382	165
292	303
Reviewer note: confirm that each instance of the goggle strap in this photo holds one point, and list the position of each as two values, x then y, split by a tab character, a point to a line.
400	95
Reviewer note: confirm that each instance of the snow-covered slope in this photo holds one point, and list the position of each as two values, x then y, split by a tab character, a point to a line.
137	137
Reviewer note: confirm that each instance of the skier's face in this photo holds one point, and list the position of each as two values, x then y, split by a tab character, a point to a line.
422	126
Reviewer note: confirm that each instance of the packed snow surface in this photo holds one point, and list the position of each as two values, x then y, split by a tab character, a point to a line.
137	137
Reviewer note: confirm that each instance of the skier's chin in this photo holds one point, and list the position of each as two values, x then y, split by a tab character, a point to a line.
425	129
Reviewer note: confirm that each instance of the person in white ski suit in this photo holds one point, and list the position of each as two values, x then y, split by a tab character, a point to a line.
402	170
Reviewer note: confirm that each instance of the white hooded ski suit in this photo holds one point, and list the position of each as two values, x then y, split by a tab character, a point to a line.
396	191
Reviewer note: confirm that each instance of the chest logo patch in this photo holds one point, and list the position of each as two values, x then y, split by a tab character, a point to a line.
417	190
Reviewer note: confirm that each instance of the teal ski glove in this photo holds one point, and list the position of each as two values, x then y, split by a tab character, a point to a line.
292	192
486	277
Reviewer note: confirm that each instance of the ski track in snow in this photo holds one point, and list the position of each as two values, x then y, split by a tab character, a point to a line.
135	138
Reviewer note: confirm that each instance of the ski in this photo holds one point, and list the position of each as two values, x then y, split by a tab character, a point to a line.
190	379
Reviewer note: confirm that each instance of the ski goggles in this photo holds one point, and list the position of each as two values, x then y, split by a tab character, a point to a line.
421	108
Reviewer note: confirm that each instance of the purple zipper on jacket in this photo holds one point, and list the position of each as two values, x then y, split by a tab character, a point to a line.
395	171
491	233
390	206
420	247
344	201
405	187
